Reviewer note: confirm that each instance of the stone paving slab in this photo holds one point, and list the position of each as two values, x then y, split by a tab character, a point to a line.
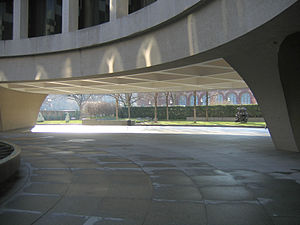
18	218
36	203
176	213
79	205
214	180
61	219
172	180
177	193
237	214
227	193
152	179
45	188
51	178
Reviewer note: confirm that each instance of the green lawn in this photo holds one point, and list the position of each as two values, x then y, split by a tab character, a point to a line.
60	122
205	123
177	123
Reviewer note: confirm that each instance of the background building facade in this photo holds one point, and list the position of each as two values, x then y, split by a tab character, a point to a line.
186	98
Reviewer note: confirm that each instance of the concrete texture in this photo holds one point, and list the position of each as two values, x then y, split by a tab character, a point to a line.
87	52
250	35
221	177
18	109
155	14
70	13
9	164
20	27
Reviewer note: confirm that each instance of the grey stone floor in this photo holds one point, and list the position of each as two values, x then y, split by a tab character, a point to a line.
151	179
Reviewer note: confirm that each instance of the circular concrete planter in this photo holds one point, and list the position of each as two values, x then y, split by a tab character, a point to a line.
9	164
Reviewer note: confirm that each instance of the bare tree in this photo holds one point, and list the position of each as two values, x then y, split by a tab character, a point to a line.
129	96
117	99
206	104
213	98
128	100
173	98
155	107
80	99
167	104
99	109
195	103
96	98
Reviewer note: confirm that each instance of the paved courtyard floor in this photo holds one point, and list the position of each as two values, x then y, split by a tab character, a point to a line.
150	176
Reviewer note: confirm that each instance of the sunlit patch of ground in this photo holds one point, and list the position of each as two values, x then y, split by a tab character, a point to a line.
151	130
171	123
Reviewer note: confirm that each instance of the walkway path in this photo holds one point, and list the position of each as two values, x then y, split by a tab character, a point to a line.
218	177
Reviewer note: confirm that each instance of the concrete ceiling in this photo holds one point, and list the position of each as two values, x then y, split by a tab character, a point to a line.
211	75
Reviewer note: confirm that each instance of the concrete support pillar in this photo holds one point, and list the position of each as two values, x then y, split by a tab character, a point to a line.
20	19
18	109
118	9
70	15
112	10
289	70
259	68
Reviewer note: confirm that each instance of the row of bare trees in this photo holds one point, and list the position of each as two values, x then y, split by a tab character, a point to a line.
95	107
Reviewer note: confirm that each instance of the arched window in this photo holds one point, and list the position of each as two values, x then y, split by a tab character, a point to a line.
192	100
182	100
220	99
231	98
203	100
246	99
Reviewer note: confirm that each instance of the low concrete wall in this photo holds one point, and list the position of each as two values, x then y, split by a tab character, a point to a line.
228	119
108	122
10	164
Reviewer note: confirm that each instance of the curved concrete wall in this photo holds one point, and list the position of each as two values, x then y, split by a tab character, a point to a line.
140	21
208	26
10	164
19	109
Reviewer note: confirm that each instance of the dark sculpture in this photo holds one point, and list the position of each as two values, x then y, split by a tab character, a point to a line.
241	115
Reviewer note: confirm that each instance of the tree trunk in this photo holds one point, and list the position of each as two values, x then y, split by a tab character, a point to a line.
80	110
173	98
195	102
117	108
155	107
128	104
167	105
206	103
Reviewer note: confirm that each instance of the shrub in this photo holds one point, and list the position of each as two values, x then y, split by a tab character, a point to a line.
99	109
182	112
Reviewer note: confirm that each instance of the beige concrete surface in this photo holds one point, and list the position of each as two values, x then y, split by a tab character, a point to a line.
18	109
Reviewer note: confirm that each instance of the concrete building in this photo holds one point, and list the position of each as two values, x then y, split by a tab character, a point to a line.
122	46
